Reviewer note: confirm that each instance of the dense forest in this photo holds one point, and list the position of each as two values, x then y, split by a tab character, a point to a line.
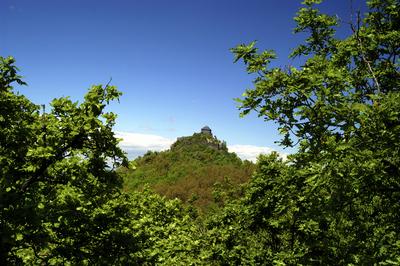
197	169
69	196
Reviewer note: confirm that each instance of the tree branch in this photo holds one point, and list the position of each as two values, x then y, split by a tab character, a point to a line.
359	41
47	163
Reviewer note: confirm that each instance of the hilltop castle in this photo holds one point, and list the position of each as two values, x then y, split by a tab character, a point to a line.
204	137
206	130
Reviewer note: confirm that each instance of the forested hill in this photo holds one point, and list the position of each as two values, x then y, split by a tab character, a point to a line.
190	170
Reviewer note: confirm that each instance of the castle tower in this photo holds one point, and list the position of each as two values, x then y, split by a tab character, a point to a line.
206	130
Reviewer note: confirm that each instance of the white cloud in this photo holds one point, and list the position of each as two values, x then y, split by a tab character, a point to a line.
251	152
137	144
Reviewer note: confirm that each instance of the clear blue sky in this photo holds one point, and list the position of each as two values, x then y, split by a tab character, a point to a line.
170	58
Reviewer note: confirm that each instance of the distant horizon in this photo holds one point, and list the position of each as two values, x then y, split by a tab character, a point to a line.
136	144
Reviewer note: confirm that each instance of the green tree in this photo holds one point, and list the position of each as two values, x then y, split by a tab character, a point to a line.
52	166
16	116
338	200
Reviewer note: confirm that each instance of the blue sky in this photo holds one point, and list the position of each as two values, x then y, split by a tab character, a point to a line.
170	58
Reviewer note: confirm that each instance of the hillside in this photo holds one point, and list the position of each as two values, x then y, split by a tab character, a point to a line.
190	170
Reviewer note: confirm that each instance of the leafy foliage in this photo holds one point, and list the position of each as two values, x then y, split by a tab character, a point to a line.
337	201
342	209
